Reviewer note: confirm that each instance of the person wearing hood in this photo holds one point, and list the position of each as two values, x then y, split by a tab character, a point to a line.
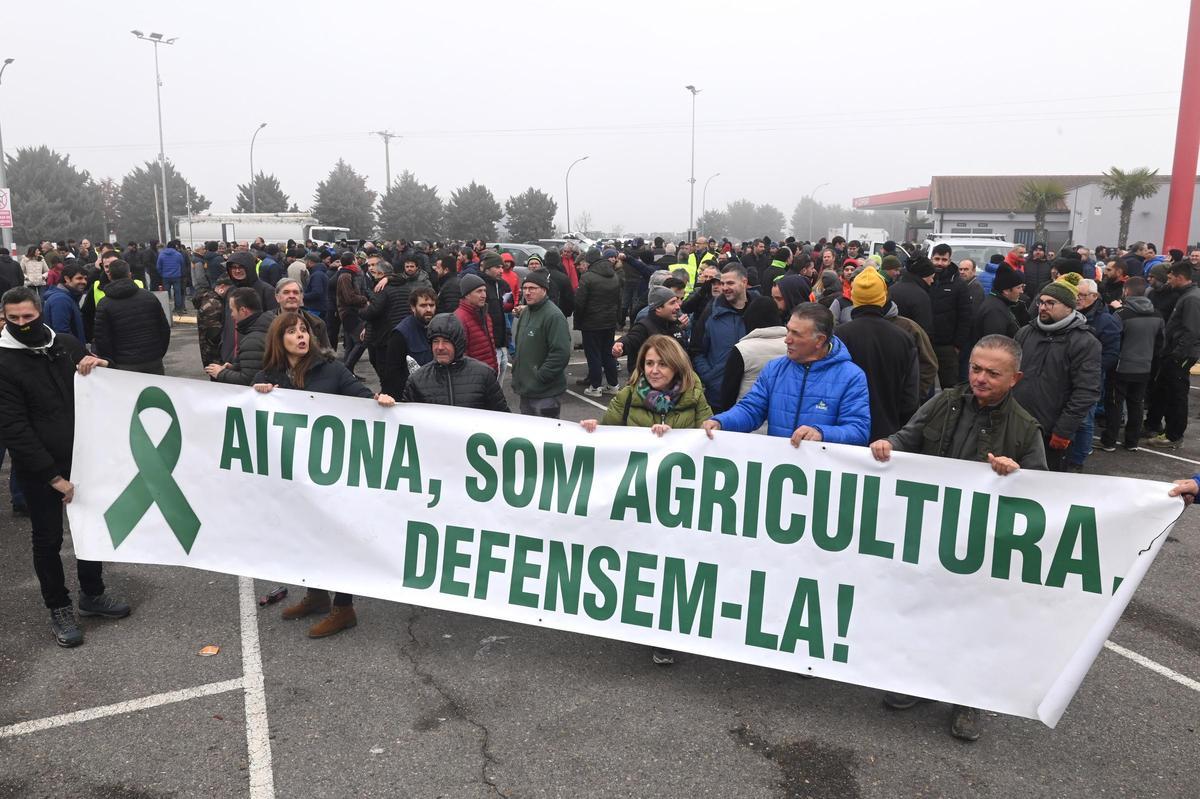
251	325
829	288
408	344
37	426
60	303
816	393
240	269
597	311
788	292
132	332
562	288
1060	360
1142	335
763	342
543	342
886	354
292	361
451	377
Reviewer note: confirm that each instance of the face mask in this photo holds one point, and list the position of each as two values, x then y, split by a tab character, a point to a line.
31	335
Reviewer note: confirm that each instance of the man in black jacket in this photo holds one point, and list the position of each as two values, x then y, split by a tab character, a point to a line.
453	378
995	314
245	308
408	340
950	300
662	320
1037	274
240	269
911	293
886	354
11	274
445	283
37	425
1181	349
132	331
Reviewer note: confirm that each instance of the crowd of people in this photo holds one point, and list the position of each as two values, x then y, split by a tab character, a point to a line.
1014	363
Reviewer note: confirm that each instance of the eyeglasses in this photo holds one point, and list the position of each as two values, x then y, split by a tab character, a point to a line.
1047	303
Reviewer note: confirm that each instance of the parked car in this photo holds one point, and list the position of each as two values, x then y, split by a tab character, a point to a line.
519	252
979	247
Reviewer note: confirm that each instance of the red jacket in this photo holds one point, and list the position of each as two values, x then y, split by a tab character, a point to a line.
568	264
481	342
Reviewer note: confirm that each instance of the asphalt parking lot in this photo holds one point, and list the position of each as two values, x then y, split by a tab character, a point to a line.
421	703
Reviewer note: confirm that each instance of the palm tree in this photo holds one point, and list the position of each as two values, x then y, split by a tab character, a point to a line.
1129	187
1039	196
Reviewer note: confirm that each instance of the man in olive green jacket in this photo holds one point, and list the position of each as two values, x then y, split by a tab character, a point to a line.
543	343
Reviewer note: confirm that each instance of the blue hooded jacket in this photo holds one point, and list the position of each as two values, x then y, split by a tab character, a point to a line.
60	312
169	263
987	277
829	394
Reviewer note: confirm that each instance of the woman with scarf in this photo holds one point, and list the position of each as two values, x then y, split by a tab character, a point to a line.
291	361
663	393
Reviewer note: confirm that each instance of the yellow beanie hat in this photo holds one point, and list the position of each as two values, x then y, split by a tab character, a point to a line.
868	289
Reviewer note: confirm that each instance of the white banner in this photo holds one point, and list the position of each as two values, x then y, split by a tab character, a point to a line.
924	575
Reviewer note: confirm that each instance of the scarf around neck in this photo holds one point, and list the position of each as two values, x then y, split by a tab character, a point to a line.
660	402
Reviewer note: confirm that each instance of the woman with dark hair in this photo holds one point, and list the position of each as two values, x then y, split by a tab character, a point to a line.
663	393
291	361
35	269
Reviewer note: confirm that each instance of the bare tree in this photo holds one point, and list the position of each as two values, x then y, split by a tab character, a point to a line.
583	222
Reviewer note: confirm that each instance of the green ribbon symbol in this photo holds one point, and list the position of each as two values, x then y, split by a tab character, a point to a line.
153	484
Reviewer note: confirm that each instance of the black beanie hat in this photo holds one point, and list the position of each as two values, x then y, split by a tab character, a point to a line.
920	266
1007	278
536	277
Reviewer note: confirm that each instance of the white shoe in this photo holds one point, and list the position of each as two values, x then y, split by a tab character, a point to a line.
594	392
611	389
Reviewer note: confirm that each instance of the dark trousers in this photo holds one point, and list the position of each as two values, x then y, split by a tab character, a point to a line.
1121	392
333	326
547	407
1175	383
46	514
1054	457
352	326
630	304
145	368
377	355
14	485
947	357
597	348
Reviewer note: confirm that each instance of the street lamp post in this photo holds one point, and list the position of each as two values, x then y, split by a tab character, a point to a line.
7	232
704	195
387	137
567	228
253	196
156	39
811	203
692	179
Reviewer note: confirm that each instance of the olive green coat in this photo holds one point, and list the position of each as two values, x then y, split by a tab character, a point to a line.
690	412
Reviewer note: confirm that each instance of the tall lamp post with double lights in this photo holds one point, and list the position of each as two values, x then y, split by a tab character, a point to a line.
156	39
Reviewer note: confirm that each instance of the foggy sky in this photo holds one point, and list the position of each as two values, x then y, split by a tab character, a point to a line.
867	96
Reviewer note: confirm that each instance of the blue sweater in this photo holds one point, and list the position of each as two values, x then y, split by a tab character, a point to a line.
829	394
316	294
169	263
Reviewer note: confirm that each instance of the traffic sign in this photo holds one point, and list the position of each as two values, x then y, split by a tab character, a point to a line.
5	209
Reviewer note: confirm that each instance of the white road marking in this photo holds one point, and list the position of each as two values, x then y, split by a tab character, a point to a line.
131	706
588	400
1153	665
1152	451
258	736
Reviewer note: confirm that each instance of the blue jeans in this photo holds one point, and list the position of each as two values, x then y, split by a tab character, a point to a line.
1081	444
174	287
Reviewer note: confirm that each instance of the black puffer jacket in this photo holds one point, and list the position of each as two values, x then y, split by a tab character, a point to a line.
265	293
37	407
251	347
131	326
327	376
951	302
888	356
462	383
598	300
388	308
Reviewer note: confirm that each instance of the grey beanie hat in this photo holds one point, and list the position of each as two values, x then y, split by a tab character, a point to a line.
469	283
660	296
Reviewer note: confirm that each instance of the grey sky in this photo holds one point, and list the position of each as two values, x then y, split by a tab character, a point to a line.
793	94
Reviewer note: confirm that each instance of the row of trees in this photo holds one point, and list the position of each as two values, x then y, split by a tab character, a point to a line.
56	198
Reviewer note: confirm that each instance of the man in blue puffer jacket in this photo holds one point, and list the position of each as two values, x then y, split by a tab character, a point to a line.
816	393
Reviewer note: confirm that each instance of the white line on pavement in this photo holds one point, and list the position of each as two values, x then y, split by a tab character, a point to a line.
1153	665
133	705
258	736
1153	451
588	400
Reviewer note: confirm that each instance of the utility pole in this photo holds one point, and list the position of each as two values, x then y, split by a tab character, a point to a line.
567	227
156	39
692	179
253	196
387	137
6	234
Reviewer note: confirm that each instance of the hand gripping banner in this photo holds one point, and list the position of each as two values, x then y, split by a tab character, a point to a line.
153	484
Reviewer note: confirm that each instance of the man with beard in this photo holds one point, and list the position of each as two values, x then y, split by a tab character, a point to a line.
408	340
240	268
60	304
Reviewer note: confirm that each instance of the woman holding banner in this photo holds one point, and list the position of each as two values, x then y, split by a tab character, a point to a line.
662	393
290	361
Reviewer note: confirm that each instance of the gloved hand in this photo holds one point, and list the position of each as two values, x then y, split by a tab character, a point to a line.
1058	442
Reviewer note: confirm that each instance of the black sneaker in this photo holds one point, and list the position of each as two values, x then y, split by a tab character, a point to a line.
662	657
1107	447
964	723
65	627
20	510
103	605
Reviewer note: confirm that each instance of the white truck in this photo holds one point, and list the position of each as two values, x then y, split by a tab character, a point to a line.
274	228
866	235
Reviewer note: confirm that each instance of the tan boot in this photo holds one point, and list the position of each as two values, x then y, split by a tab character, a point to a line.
314	601
341	617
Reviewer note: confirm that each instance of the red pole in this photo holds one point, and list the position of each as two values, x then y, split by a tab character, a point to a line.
1187	141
